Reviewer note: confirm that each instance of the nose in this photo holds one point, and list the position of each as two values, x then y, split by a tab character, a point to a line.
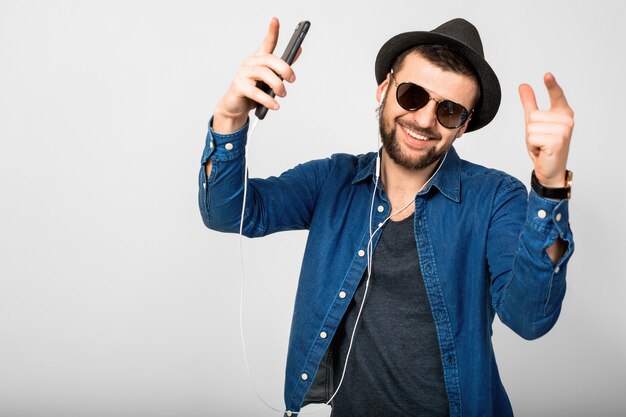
427	115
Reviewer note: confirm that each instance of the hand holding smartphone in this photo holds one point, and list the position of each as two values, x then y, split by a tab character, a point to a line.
288	56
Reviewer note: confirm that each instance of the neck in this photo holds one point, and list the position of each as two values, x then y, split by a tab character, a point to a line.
401	182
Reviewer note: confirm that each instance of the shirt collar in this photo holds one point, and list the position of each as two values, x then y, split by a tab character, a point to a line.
447	180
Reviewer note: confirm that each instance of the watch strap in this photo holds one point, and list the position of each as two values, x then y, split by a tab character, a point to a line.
561	193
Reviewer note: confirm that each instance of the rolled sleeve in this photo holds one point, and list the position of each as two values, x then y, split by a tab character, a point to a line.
226	153
226	147
550	219
534	294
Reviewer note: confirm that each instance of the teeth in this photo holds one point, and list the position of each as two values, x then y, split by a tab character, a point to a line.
415	135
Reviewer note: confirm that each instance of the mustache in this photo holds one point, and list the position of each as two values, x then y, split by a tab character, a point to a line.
418	129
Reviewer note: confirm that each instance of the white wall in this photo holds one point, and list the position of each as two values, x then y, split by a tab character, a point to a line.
114	298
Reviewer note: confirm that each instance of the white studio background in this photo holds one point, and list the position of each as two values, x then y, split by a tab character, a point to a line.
114	298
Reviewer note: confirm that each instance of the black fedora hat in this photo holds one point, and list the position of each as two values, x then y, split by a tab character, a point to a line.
462	36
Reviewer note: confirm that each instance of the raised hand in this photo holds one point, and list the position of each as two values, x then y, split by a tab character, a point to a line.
244	93
548	132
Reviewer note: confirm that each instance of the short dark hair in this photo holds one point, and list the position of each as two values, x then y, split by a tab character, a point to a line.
442	57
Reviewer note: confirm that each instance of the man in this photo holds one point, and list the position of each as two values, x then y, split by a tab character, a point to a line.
407	332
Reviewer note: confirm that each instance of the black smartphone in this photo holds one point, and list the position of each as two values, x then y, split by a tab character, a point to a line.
288	56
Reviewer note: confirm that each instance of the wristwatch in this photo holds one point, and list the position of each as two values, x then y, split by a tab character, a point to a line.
554	193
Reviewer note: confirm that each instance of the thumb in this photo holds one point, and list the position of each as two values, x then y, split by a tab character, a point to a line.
527	96
271	38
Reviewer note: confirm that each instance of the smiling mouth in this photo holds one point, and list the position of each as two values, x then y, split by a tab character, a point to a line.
422	136
416	135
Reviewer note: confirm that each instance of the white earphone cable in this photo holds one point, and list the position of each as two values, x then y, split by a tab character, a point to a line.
369	267
253	123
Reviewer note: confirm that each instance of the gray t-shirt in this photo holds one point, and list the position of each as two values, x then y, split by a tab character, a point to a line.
395	366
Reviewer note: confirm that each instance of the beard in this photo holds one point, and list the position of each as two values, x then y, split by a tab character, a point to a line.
392	146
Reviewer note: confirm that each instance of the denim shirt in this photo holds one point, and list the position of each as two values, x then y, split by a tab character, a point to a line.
480	236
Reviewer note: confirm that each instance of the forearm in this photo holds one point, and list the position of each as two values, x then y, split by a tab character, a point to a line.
273	204
223	124
222	179
530	300
557	250
207	168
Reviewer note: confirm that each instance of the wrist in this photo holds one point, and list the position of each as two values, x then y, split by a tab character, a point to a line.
557	181
557	190
224	123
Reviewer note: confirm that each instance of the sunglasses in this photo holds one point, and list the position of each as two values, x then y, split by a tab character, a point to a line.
413	97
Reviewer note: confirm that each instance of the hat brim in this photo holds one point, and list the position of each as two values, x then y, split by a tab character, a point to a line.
486	108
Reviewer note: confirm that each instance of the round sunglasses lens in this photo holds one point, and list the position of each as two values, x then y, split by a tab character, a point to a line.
450	114
411	97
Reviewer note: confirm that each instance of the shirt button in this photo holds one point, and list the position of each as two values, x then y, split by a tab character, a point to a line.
323	335
289	414
342	294
211	145
381	209
542	214
228	146
304	377
557	269
558	217
380	224
361	253
204	185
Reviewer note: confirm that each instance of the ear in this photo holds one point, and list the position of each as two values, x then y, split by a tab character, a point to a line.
381	88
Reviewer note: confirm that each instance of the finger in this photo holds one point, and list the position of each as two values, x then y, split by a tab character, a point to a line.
540	142
255	94
266	75
271	38
288	73
527	96
559	130
542	116
276	64
551	144
533	149
557	98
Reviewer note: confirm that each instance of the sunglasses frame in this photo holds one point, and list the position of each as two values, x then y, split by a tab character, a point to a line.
467	113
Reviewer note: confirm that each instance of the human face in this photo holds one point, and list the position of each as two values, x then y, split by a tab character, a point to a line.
414	139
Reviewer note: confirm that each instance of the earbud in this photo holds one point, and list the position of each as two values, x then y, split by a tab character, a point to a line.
382	96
